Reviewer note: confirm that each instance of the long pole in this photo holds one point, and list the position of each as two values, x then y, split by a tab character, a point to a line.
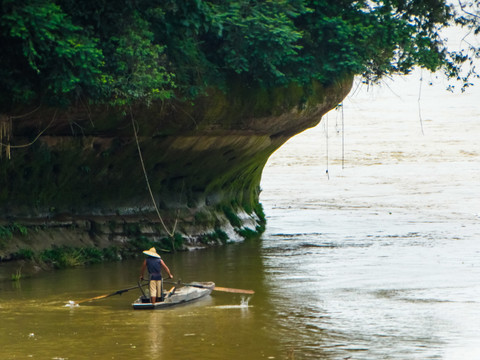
118	292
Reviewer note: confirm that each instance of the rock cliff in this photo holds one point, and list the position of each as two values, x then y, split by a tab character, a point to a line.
76	175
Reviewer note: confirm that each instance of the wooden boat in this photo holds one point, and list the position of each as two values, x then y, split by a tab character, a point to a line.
176	296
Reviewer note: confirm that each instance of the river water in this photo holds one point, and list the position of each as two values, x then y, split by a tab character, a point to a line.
384	249
376	259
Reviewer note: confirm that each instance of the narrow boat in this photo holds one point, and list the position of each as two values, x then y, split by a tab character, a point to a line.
176	296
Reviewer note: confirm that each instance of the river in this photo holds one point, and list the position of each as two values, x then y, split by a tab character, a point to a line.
378	258
382	251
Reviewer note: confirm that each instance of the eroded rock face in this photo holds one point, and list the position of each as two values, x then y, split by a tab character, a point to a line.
203	163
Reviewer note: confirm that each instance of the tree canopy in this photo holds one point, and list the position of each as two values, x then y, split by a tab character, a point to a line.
123	51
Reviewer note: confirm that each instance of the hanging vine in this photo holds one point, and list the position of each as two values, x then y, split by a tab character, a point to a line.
5	134
6	131
171	233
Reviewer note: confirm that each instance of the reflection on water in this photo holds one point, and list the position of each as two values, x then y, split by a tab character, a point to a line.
377	261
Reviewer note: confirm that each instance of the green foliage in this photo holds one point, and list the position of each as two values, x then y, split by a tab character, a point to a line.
177	242
133	52
203	217
232	217
20	229
7	231
170	244
92	255
66	257
46	51
260	228
218	236
17	276
128	52
221	235
111	253
60	52
62	257
139	244
131	229
248	234
24	254
258	38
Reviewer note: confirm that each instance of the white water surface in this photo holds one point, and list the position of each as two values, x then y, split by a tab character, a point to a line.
383	250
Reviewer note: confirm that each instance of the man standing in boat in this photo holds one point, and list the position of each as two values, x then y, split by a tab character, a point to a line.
154	263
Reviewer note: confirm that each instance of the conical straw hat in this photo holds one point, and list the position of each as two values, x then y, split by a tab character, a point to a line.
151	252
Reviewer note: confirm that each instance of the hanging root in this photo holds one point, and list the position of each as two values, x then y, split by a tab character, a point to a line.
171	233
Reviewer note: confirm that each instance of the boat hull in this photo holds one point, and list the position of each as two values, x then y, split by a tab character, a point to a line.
177	296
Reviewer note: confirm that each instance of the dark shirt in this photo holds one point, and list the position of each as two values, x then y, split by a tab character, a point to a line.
154	267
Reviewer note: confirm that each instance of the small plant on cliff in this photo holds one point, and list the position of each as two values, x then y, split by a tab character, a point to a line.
24	254
248	234
92	255
111	253
218	236
7	231
177	241
18	228
172	243
66	257
140	243
261	217
62	258
221	235
232	217
203	217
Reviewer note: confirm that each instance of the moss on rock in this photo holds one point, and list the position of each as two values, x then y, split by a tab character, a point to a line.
203	162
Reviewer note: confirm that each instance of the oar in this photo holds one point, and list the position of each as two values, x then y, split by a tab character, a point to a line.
118	292
231	290
218	288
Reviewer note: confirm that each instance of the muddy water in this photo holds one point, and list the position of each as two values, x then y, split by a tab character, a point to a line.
378	259
35	323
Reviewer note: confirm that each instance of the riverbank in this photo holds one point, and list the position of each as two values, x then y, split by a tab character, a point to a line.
62	243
